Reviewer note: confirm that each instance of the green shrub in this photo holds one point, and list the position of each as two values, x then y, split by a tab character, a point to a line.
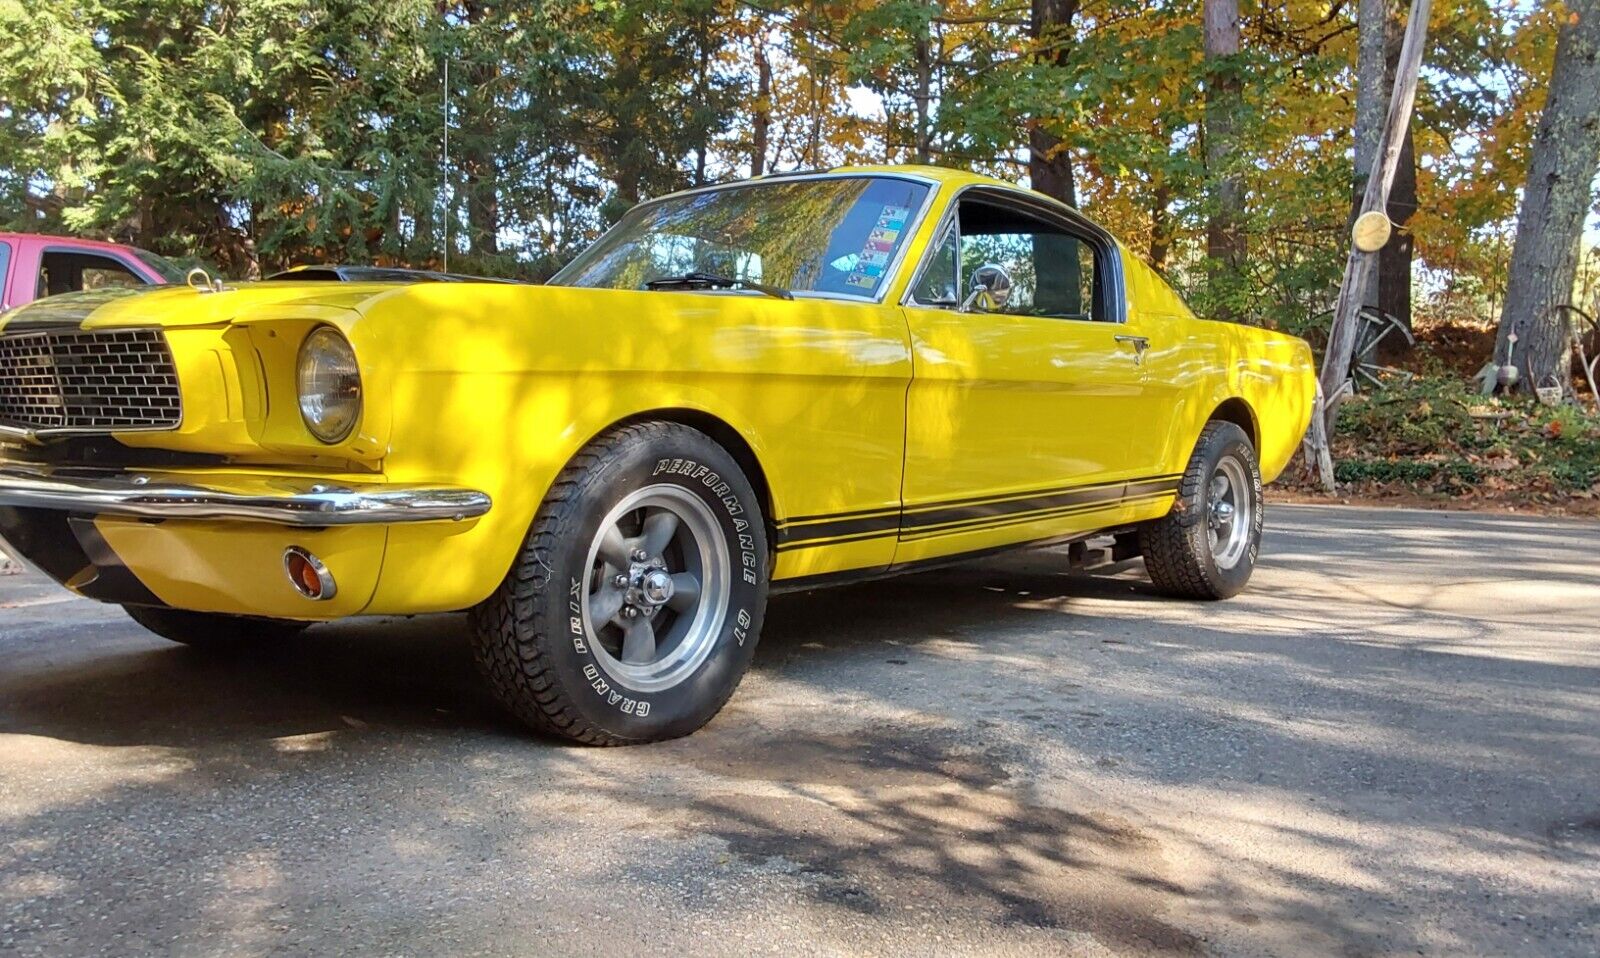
1435	434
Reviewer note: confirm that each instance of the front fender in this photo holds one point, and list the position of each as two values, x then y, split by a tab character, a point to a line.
498	387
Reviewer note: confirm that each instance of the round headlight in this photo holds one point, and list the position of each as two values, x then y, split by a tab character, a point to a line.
330	385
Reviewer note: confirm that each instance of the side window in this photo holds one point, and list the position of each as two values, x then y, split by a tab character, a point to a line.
64	272
5	271
1052	271
940	282
105	273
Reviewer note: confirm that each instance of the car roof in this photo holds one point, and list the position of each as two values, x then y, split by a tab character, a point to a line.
52	240
933	175
938	176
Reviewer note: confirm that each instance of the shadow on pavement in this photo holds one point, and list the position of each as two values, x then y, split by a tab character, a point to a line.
907	784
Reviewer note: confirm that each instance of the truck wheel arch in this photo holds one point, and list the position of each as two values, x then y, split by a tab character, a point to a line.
1238	412
727	436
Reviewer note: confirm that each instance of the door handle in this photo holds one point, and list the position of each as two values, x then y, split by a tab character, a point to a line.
1139	344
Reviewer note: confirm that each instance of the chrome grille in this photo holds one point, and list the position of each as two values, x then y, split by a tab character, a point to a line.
88	381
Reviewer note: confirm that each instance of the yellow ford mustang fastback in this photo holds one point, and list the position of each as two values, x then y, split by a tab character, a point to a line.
777	383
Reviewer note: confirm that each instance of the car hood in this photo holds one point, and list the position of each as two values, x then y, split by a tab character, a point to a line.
171	306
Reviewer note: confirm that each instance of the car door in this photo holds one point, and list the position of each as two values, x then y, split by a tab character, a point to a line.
1022	417
1175	363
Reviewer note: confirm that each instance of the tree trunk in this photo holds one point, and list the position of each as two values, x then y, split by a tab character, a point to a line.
483	207
1374	79
1394	260
924	94
761	120
1225	243
1160	226
479	164
1050	167
813	158
701	85
253	265
1049	160
1566	152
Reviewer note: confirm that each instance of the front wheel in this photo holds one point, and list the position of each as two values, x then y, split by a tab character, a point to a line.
634	607
1206	547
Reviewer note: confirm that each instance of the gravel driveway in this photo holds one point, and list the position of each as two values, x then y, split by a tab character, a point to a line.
1389	744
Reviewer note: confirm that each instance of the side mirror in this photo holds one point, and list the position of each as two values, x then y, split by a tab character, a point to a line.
991	288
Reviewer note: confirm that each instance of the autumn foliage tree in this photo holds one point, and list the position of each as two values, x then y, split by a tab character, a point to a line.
256	134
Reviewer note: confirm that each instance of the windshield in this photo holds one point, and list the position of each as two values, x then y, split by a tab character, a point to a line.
164	268
835	235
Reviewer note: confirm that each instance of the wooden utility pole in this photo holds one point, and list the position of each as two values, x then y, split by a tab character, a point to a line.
1335	378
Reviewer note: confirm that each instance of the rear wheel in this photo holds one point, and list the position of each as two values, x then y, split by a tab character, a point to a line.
213	632
634	607
1206	547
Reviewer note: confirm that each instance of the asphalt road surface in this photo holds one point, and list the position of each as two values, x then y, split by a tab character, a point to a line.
1389	745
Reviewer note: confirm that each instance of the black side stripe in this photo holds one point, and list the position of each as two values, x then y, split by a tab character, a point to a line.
984	525
863	514
885	522
1087	495
1035	493
971	514
835	516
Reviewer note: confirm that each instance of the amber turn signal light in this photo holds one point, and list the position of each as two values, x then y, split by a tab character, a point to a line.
308	575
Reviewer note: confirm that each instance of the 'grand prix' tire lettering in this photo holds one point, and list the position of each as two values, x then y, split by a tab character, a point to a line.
635	606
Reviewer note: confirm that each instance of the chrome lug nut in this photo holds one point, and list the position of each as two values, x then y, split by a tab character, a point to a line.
620	580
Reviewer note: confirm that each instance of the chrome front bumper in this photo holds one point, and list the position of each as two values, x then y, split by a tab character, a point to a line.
277	500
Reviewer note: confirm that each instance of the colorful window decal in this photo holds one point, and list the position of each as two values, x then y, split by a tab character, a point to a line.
874	258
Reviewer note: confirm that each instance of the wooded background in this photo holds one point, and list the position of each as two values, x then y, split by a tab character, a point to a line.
257	134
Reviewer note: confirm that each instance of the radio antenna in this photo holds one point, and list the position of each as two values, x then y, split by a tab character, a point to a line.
444	185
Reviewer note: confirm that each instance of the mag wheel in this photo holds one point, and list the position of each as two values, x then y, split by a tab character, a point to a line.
656	595
634	607
1230	511
1206	547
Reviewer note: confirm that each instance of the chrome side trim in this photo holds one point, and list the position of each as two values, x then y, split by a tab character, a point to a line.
298	503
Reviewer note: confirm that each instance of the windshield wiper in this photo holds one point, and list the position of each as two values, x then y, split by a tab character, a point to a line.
715	281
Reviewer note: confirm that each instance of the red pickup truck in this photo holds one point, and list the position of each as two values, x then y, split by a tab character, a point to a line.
34	266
